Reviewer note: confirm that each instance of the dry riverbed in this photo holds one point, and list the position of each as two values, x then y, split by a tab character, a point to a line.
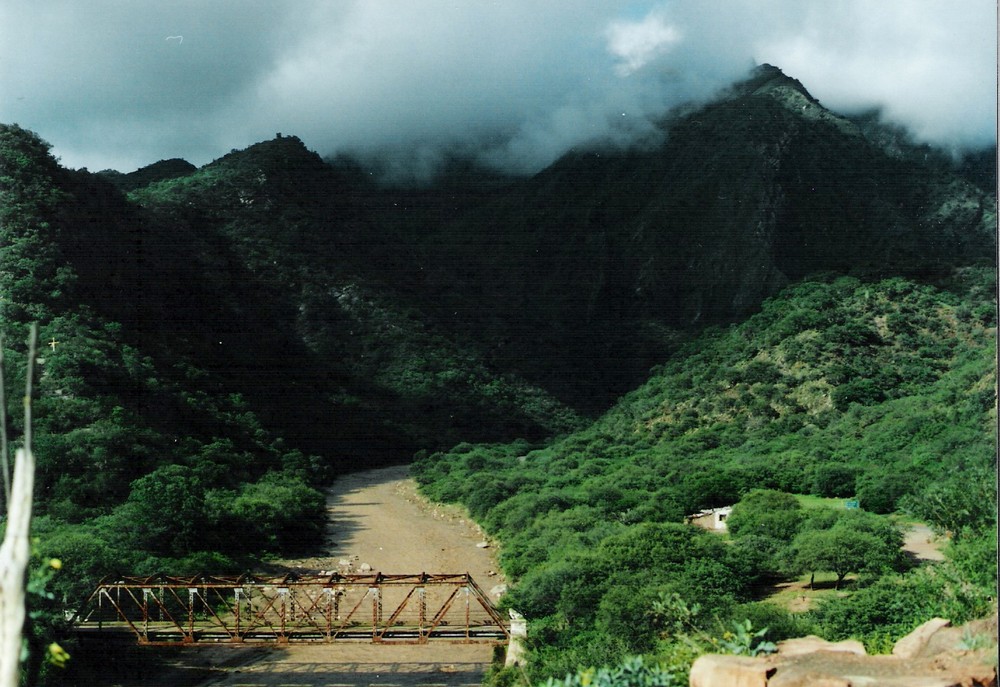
376	518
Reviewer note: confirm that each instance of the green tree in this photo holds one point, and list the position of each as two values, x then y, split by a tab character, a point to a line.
834	480
879	492
279	512
840	550
165	512
964	502
767	513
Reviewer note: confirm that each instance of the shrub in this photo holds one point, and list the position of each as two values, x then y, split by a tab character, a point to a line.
767	513
880	492
632	672
834	480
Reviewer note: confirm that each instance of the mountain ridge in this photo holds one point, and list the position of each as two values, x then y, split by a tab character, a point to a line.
613	254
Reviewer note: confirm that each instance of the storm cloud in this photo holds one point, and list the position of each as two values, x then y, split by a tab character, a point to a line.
121	83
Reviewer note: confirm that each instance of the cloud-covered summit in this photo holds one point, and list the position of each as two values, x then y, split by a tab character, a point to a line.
121	84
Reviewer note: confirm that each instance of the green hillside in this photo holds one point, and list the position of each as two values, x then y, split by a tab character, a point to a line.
882	391
147	456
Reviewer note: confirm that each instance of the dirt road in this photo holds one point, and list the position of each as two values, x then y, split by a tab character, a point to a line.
377	519
922	543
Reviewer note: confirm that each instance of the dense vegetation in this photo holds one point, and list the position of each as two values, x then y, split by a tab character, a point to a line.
225	340
838	388
146	460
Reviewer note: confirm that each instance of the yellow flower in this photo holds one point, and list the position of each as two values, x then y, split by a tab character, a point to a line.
58	656
55	563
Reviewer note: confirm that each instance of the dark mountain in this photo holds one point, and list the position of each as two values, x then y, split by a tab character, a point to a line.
600	252
980	167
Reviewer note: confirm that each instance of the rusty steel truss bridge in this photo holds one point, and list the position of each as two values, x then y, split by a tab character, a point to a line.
379	608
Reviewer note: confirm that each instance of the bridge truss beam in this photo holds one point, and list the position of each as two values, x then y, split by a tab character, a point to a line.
403	609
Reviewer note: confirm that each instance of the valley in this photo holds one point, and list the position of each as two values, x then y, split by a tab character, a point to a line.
774	302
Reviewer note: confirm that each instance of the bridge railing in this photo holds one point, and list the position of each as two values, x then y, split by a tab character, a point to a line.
167	610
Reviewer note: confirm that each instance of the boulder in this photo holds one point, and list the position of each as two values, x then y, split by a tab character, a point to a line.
798	677
812	644
913	644
716	670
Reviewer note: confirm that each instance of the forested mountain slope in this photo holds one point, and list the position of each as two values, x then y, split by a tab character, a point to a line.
579	279
146	454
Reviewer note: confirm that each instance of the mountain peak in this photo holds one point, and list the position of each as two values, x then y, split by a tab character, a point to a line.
766	78
769	81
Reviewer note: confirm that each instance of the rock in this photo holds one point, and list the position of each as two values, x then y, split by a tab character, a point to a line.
365	568
812	644
933	655
716	670
805	678
912	644
483	545
498	591
982	632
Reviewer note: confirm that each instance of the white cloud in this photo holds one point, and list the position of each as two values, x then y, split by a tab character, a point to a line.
517	82
635	44
929	65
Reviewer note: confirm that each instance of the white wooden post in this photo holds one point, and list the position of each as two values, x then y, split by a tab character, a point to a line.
14	554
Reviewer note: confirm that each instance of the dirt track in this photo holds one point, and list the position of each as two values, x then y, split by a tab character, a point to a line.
375	518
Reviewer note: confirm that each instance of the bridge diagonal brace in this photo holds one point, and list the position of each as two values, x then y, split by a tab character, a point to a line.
347	619
439	616
221	623
121	613
380	636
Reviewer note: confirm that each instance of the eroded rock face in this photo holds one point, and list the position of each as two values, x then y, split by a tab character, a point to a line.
933	655
812	644
714	670
913	644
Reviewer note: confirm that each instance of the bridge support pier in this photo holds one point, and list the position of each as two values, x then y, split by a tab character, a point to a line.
517	652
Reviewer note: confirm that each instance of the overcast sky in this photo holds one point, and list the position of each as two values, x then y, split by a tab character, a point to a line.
124	83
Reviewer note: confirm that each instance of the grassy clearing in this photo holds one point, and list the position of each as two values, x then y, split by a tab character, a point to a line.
796	596
808	501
